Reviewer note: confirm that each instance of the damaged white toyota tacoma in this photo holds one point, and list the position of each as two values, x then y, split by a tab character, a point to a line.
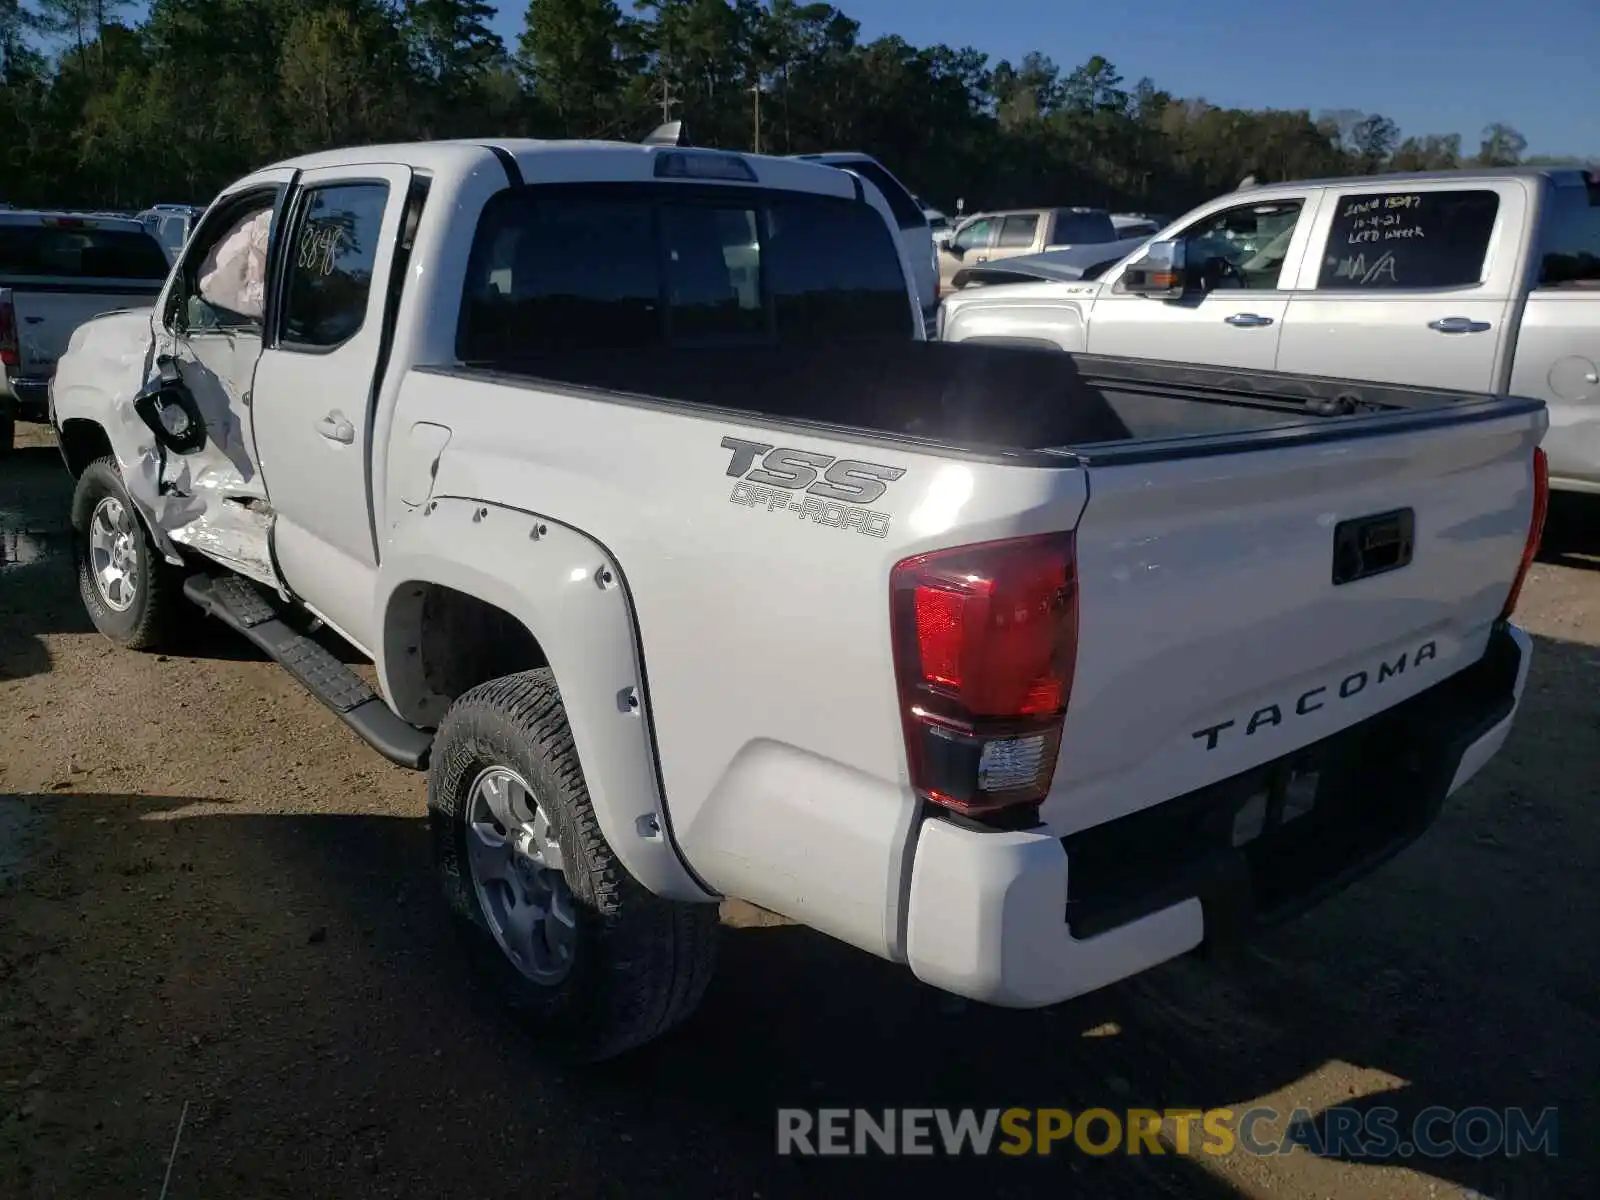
690	570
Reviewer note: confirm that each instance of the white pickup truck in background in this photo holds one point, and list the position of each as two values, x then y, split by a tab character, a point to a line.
1484	281
56	271
1026	670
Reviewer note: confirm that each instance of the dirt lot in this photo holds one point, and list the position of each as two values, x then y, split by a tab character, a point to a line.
212	895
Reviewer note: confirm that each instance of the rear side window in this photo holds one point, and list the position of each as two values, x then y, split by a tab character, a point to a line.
907	212
77	252
330	276
1018	232
1570	240
557	270
1384	240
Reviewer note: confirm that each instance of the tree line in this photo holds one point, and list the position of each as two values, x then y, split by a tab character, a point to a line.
101	108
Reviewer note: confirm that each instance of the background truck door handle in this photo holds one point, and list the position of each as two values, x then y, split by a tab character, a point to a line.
1458	325
1248	320
336	428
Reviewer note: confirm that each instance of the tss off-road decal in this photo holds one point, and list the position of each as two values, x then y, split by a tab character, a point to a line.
818	487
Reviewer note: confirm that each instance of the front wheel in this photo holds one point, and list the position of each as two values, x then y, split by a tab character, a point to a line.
130	591
596	963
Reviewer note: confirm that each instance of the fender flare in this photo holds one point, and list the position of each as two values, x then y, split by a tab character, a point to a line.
571	594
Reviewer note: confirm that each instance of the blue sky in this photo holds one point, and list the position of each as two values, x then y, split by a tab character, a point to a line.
1433	66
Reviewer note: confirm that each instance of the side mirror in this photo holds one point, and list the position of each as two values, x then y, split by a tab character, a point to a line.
1159	273
170	412
954	249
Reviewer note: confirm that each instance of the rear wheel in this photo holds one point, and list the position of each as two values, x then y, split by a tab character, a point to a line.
130	591
596	963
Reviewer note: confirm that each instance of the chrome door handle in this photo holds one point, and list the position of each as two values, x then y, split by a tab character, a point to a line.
336	428
1458	325
1248	320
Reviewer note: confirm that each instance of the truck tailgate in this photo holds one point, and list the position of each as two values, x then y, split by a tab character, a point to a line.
47	318
1213	636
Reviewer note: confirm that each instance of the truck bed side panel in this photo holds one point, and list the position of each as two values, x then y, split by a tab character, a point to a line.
763	611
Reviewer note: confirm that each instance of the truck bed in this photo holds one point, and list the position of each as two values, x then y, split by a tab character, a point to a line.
1000	398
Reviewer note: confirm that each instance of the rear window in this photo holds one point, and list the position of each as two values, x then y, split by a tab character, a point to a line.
1083	228
907	212
557	270
80	253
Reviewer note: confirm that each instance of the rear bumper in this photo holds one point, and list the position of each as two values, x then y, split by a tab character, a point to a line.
1025	919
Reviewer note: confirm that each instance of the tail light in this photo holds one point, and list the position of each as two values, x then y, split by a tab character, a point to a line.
10	353
1541	507
985	641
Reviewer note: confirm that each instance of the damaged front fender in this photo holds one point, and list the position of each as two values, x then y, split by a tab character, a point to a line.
107	364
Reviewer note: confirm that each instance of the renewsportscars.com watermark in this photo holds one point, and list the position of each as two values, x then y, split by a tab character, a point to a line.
1350	1133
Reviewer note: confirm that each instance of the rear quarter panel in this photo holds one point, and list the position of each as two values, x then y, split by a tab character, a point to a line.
762	612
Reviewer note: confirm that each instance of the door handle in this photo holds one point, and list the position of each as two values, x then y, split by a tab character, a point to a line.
336	428
982	258
1458	325
1248	320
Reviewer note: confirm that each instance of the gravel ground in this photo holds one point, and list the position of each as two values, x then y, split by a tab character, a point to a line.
212	896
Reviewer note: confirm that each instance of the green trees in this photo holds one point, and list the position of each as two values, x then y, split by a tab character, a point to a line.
111	102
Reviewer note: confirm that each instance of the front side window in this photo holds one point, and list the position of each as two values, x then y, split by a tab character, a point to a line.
974	235
558	270
330	268
224	280
1018	232
1243	247
1385	240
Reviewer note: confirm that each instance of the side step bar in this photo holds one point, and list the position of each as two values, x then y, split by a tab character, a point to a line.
239	604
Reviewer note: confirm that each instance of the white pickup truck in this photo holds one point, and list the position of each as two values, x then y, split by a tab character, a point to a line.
1026	670
1484	281
56	271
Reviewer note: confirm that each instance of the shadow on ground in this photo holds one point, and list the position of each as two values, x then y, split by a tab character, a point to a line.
296	982
1572	532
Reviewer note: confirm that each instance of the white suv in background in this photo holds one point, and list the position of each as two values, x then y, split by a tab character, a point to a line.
916	235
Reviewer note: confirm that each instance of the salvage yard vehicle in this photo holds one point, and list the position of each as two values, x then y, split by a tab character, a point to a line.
1028	671
1486	281
57	270
1018	233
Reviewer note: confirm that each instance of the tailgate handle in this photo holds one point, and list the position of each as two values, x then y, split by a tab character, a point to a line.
1367	546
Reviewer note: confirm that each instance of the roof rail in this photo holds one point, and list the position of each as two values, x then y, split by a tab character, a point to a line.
672	133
